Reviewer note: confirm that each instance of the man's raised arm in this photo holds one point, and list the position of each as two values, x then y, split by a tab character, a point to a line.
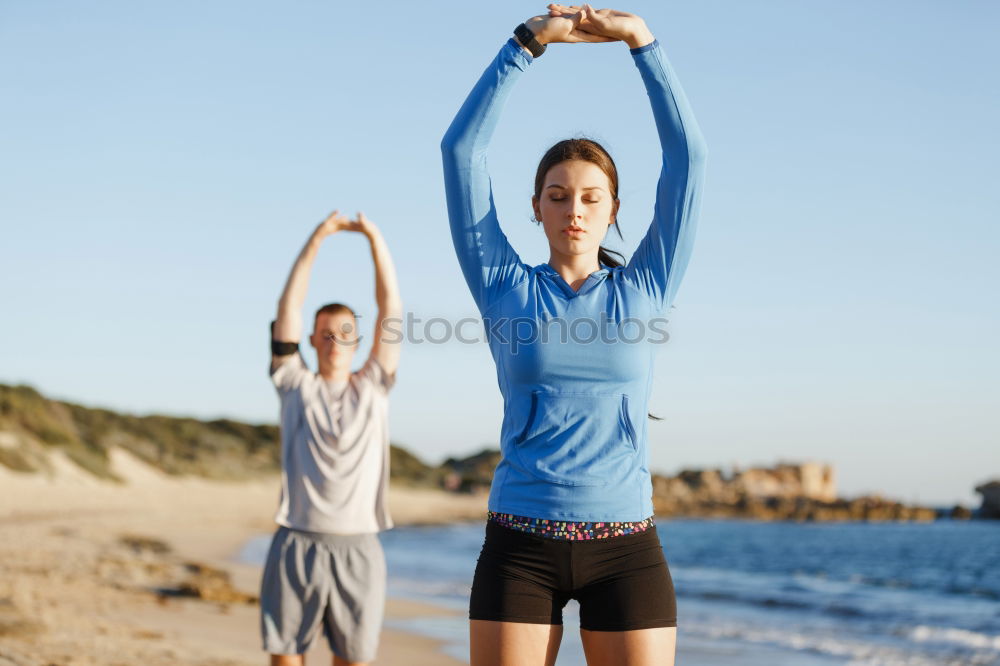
287	327
388	329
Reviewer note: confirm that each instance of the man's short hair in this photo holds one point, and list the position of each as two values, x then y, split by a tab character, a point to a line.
333	309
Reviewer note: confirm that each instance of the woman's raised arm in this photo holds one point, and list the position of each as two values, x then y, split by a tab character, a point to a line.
661	258
488	261
490	265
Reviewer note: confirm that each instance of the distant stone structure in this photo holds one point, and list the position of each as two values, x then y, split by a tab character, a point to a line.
787	491
810	480
991	500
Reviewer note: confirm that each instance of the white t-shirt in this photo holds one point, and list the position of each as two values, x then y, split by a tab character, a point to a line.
334	449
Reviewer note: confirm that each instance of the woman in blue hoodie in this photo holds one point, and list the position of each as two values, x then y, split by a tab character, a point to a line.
571	501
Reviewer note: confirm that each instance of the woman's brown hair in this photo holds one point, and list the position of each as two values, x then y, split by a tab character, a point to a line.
585	150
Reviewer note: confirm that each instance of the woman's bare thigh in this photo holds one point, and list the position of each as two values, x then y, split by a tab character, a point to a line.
641	647
513	643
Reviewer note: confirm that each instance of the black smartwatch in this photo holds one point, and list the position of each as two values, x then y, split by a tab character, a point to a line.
528	41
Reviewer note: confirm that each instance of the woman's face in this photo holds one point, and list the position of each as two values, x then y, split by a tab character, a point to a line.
575	207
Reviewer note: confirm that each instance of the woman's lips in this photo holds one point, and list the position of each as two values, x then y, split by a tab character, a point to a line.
574	232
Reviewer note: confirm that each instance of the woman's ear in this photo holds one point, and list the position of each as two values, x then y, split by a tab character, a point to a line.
614	212
536	209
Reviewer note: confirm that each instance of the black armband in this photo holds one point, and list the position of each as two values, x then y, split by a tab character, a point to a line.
279	348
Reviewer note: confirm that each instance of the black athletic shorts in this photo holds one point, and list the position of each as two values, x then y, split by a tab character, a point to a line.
621	582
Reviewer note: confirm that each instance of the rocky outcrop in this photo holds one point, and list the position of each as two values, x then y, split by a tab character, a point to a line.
471	474
787	491
209	584
809	481
148	564
959	512
991	500
869	508
804	492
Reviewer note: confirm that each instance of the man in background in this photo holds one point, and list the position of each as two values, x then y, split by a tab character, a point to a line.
325	569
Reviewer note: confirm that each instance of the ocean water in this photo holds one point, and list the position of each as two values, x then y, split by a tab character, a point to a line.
753	593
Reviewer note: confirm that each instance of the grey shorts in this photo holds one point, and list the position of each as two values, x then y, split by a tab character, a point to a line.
333	581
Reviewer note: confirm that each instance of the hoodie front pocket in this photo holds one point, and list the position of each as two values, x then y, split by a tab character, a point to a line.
577	439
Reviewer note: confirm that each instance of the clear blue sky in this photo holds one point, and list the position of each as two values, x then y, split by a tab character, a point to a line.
161	164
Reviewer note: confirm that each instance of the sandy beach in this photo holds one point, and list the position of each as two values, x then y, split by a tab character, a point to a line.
144	572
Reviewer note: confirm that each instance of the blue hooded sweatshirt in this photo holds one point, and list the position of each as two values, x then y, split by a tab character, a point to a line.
575	368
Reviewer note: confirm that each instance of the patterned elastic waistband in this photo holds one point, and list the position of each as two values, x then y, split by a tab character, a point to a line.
568	530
